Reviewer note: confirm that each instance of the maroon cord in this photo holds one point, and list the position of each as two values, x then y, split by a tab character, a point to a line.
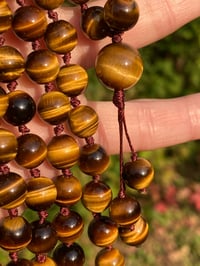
4	169
13	256
41	258
43	215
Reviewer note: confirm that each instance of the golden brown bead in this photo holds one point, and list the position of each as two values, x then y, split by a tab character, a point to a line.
109	257
118	66
72	80
8	146
3	102
49	4
61	37
53	107
83	121
63	151
12	64
5	16
48	262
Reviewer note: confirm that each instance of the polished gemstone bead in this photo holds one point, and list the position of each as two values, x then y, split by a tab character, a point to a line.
20	262
93	159
118	66
8	146
47	262
5	16
72	80
72	255
21	108
63	151
109	257
29	23
53	107
43	239
15	233
41	193
12	63
42	66
3	102
13	190
49	4
83	121
61	37
125	211
136	234
96	196
79	2
69	190
138	174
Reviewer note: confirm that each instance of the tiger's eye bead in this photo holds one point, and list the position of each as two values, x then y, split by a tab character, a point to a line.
8	146
5	16
41	193
138	174
42	66
118	66
20	262
102	231
53	107
63	151
48	262
109	257
3	102
13	190
29	23
72	80
49	4
83	121
12	64
72	255
125	211
61	37
21	108
15	233
93	159
96	196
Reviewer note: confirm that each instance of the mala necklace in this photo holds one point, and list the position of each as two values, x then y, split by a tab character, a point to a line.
50	65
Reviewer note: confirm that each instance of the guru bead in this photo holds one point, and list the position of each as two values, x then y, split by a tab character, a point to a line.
118	66
3	102
109	257
49	4
5	16
8	146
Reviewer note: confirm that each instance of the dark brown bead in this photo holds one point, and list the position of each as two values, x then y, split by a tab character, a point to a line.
63	151
42	66
12	64
13	190
8	146
118	66
49	4
20	262
96	196
93	159
3	102
79	2
5	16
109	257
53	107
61	37
72	80
29	23
125	211
48	262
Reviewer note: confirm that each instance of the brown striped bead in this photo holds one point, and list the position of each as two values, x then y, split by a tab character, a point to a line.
12	64
41	193
32	150
96	196
13	190
118	66
53	107
8	146
72	80
83	121
42	66
20	262
63	151
3	102
29	23
49	4
109	257
61	37
48	262
5	16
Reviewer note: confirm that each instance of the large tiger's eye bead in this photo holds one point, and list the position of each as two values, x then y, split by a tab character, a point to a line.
83	121
48	262
96	196
8	146
49	4
5	16
61	37
125	211
13	190
63	151
20	262
72	255
69	190
29	23
118	66
53	107
93	159
15	233
3	102
42	66
109	257
72	80
41	193
21	108
138	174
12	64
